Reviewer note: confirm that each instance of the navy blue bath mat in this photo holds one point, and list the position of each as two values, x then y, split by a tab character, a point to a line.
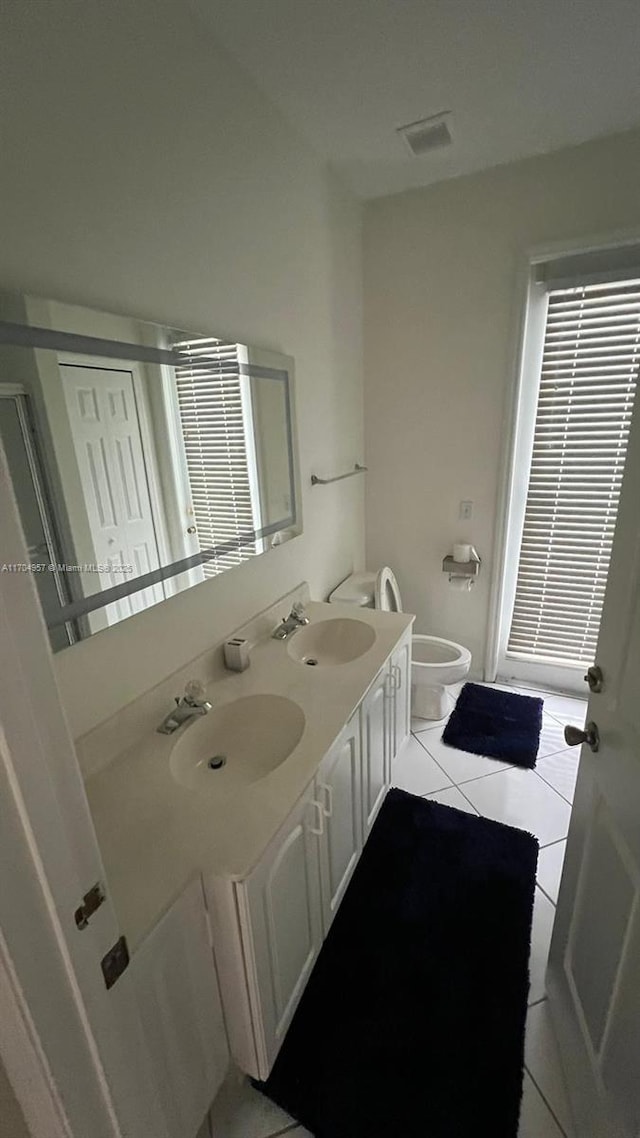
500	724
412	1023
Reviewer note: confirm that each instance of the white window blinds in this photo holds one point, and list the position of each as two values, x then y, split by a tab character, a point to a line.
211	414
587	386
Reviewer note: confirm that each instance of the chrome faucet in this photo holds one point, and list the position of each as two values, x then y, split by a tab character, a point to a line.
291	623
190	706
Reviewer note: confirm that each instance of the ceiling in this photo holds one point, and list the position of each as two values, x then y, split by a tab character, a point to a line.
521	78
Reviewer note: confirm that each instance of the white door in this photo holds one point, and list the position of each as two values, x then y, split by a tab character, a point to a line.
594	968
401	682
375	746
103	414
89	1038
177	989
281	917
339	788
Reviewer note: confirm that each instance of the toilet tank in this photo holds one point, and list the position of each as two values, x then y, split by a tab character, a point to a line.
358	589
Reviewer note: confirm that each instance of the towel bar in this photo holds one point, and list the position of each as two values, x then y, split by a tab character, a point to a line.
358	469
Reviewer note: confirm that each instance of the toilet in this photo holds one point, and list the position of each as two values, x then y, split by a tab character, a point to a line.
435	663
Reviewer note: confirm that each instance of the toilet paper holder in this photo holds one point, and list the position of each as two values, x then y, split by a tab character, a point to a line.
462	568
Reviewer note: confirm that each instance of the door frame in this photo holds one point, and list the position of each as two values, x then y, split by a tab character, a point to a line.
509	488
24	1061
77	1054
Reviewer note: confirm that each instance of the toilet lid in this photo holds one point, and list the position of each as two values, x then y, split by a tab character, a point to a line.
387	592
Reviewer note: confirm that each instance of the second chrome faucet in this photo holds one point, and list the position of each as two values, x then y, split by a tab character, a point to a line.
289	624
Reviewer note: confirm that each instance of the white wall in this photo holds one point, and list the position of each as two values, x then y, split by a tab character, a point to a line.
143	173
441	314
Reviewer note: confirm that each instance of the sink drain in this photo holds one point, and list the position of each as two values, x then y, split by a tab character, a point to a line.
216	762
311	662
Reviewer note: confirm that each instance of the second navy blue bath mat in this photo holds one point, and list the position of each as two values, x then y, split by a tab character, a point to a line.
412	1023
500	724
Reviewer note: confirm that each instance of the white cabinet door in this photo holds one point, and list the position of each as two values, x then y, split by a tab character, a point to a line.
401	683
339	789
177	992
281	920
375	746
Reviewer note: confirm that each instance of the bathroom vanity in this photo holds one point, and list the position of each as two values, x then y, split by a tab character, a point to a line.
253	864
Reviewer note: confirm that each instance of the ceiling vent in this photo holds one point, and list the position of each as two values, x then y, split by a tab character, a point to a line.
427	134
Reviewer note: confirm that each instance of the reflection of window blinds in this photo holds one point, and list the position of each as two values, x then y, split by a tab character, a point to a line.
589	375
210	405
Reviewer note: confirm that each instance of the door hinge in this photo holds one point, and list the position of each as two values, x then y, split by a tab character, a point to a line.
115	962
91	902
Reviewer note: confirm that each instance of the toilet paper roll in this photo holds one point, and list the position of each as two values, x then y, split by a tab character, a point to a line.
461	584
462	552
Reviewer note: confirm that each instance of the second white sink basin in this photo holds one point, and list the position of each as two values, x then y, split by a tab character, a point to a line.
331	642
237	743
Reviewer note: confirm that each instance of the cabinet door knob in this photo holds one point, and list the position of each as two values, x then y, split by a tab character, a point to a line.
591	736
191	529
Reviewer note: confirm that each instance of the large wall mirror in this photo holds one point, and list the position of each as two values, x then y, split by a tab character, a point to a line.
144	458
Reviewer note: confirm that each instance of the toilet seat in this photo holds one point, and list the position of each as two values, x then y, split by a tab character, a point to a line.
386	591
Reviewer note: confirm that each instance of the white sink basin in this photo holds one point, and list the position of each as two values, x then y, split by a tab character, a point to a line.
237	744
331	642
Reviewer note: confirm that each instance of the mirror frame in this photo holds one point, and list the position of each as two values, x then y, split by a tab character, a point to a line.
263	364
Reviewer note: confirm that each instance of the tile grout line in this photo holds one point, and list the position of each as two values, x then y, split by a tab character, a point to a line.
504	767
487	774
550	754
556	843
474	808
561	796
545	1100
551	787
451	783
549	899
459	785
535	1003
493	774
287	1130
561	719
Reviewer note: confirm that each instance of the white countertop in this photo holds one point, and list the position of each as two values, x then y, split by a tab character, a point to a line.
155	834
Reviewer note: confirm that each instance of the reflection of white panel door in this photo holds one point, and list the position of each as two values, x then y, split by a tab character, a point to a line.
106	432
594	969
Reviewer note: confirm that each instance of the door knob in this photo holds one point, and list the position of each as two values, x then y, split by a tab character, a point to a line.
191	529
591	736
594	678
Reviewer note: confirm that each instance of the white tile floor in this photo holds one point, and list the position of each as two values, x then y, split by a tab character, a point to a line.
538	801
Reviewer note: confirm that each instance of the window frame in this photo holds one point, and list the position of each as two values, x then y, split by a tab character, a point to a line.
519	426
